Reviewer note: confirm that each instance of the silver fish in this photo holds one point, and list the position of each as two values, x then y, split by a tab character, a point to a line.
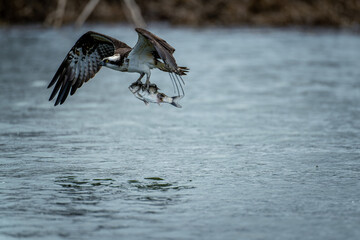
152	95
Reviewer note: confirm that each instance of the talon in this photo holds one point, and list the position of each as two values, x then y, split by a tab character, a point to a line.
147	85
139	79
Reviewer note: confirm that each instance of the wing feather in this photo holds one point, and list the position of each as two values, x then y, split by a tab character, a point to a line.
91	67
77	72
160	46
82	63
148	43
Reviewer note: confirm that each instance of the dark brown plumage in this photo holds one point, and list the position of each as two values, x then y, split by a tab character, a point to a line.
76	69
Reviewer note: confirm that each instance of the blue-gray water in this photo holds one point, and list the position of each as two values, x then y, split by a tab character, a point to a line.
266	146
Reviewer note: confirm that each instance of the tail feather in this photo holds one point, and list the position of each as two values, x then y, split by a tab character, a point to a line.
179	70
182	70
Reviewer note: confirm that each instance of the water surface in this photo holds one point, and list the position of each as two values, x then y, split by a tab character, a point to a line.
266	146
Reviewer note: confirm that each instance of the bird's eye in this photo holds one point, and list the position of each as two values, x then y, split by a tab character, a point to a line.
106	60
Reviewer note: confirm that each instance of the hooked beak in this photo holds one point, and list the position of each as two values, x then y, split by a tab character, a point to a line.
104	62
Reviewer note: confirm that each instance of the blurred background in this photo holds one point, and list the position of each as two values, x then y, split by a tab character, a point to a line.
266	145
333	13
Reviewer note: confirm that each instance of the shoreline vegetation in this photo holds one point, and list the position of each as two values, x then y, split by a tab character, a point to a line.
198	13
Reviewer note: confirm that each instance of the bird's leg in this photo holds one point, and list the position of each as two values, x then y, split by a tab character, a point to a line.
147	83
137	83
141	76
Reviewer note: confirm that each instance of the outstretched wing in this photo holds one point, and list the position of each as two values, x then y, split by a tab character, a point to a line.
82	63
150	44
157	46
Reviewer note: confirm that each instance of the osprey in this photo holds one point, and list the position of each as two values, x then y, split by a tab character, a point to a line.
94	50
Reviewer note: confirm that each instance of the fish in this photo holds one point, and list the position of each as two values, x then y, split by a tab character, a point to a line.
152	94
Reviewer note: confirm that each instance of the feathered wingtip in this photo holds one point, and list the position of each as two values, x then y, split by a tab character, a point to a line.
182	70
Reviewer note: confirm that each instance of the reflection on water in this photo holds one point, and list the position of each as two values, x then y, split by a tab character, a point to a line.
266	144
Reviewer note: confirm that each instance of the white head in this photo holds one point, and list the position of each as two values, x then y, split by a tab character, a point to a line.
112	62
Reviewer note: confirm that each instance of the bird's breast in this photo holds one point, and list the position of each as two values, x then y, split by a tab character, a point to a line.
137	64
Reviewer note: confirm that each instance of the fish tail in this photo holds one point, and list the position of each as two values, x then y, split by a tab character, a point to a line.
175	101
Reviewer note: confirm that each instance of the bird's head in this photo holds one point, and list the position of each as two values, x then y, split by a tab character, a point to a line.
111	62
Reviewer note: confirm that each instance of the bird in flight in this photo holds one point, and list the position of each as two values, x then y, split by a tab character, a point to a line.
94	50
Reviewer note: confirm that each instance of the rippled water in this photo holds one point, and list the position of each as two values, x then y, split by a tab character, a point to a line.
266	146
